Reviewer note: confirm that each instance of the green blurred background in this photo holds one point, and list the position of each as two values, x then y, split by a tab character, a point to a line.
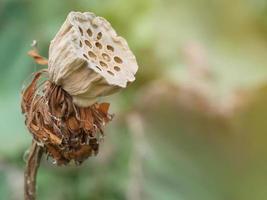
192	127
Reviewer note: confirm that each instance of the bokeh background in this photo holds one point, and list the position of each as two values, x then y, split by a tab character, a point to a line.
192	127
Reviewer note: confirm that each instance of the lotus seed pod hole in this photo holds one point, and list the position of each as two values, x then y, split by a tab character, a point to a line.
95	36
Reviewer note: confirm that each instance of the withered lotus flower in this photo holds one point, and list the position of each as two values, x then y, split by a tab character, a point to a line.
87	60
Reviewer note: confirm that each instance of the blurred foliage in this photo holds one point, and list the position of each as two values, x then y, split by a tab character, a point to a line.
191	127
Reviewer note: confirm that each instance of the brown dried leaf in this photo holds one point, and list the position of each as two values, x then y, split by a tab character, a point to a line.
54	139
73	124
86	118
65	130
56	154
28	94
104	107
37	57
80	154
54	105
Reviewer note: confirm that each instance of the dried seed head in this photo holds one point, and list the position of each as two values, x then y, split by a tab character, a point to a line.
88	59
66	131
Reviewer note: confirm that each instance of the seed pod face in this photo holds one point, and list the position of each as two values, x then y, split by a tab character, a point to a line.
89	60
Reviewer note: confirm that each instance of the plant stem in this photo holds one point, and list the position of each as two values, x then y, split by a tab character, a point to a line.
136	182
30	173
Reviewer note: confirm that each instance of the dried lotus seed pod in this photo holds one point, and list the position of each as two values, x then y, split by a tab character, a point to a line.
88	59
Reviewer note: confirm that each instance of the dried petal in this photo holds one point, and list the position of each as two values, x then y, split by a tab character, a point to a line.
28	94
73	124
38	59
103	107
68	132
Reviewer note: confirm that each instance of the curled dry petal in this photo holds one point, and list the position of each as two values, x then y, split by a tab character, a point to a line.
29	93
67	131
38	59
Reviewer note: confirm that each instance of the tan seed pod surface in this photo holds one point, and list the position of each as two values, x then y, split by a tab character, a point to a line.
89	60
